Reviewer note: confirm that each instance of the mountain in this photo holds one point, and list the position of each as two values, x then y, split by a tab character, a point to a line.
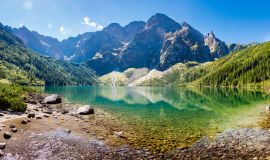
159	43
126	33
23	66
217	47
44	45
186	44
248	67
144	50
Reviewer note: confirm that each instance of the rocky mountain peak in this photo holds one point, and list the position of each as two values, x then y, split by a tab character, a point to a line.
162	21
210	35
217	47
185	24
113	27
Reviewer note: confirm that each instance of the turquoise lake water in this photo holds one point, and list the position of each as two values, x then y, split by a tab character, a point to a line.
172	116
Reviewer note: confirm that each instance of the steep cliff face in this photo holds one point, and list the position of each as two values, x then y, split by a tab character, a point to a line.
216	46
144	50
186	44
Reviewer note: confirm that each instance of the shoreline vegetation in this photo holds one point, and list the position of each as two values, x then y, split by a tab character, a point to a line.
46	125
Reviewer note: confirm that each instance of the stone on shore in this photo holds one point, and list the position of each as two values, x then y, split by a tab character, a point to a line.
48	112
2	145
7	135
52	99
67	131
267	108
2	114
1	153
46	116
14	130
12	126
24	121
31	115
64	111
85	110
38	117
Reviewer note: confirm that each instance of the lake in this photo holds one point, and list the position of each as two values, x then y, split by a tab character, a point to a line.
163	118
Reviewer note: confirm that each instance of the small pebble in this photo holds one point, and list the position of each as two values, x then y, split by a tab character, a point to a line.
12	126
2	145
14	130
24	121
7	135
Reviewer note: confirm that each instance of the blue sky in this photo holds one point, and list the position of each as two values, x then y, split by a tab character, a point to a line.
240	21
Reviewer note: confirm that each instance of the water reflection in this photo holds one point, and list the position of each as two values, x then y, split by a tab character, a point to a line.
171	117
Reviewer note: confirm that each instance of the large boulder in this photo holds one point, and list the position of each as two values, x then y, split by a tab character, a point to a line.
52	99
85	110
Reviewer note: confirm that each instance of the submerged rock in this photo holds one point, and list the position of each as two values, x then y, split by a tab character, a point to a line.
52	99
7	135
85	110
2	145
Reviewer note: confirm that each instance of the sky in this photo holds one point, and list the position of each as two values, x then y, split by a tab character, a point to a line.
233	21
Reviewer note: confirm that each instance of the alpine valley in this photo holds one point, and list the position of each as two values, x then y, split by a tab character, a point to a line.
158	52
158	89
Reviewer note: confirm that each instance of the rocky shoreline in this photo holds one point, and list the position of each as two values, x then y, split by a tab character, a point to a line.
53	129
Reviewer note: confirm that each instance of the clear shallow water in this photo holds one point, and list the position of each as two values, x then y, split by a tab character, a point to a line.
166	118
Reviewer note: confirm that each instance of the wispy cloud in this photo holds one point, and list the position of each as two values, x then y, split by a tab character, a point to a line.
62	29
95	25
27	5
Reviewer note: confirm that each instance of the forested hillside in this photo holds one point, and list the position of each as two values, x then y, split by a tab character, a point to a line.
243	68
20	65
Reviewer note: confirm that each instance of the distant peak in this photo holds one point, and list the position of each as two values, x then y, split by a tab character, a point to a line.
211	34
185	24
113	26
159	17
136	23
24	28
162	20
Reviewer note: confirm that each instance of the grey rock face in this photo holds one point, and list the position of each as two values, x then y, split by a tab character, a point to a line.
216	46
186	44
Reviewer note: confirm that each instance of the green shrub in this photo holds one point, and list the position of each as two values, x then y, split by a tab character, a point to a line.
12	97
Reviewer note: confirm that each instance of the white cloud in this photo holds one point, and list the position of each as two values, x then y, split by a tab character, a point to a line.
62	29
27	5
95	25
49	25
